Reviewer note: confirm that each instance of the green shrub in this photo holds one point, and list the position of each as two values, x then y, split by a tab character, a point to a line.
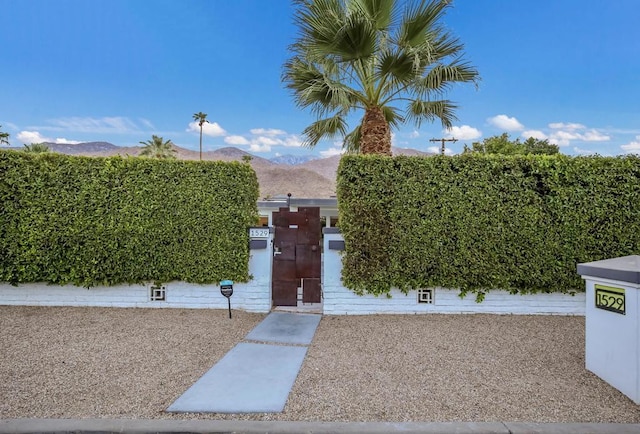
481	222
104	221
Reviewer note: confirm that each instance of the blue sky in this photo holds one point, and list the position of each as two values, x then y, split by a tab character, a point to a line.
120	71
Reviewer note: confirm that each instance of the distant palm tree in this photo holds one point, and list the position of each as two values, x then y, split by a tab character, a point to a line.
36	148
370	56
157	148
4	138
201	118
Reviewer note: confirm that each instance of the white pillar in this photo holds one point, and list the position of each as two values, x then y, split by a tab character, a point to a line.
612	335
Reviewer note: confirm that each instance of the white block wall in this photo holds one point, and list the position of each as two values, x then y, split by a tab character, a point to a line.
254	296
178	295
612	340
339	300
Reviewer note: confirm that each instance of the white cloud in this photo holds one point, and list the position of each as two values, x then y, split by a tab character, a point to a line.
464	132
567	126
147	123
111	125
563	133
595	136
267	137
414	135
536	134
267	132
437	150
29	137
331	152
236	140
583	151
632	147
255	147
563	138
260	140
292	141
504	122
265	141
62	140
212	129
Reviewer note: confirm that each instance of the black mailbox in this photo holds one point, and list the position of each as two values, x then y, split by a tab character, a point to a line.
226	288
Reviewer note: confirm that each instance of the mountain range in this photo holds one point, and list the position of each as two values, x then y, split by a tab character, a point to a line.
302	176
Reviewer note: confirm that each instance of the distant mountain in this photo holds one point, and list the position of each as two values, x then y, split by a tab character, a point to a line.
292	160
230	153
83	148
302	176
325	167
410	152
300	182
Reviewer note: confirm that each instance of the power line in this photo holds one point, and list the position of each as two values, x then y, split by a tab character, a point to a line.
442	141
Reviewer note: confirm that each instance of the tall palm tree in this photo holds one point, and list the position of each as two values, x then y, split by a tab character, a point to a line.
4	138
158	148
394	63
201	118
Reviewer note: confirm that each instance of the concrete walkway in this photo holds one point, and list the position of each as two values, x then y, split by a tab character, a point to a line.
255	376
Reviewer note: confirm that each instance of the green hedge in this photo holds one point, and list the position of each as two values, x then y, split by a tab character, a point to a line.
104	221
481	222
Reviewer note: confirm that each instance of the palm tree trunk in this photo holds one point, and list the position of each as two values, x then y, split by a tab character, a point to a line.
201	142
375	134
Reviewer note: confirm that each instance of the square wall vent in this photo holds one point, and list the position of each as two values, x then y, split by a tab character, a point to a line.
157	293
426	295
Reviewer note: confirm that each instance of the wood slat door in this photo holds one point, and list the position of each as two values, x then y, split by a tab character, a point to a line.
296	256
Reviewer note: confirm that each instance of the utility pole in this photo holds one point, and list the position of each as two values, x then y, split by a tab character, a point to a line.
442	141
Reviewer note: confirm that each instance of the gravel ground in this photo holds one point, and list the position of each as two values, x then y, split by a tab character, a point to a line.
132	363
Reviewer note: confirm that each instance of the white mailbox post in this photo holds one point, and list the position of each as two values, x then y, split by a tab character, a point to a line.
612	335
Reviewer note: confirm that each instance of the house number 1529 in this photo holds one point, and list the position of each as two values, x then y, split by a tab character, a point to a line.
258	232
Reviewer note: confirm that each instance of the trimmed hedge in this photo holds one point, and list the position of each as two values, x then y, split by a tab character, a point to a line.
104	221
481	222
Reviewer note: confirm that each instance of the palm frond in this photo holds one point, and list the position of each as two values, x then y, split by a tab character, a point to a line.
379	12
324	128
392	115
420	110
351	142
315	89
319	22
158	148
356	39
398	64
36	148
441	77
418	20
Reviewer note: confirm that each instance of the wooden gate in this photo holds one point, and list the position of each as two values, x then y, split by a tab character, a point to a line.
296	256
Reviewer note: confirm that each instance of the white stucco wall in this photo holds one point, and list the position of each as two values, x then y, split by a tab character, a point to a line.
339	300
612	340
178	295
254	296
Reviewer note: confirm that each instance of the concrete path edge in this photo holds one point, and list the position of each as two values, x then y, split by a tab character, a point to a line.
137	426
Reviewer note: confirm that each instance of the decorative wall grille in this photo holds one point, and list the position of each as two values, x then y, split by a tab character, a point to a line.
426	295
157	293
